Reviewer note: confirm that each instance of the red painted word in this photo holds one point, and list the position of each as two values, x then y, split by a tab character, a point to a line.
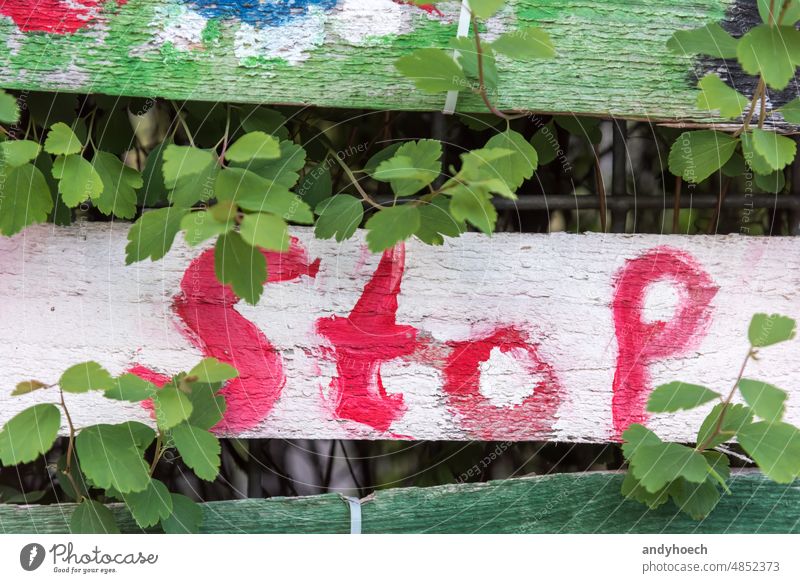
363	340
639	342
212	324
370	336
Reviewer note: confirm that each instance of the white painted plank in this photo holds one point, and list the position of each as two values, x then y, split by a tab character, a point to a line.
67	297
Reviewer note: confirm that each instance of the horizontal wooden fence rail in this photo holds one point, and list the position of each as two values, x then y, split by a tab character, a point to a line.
611	54
557	503
509	337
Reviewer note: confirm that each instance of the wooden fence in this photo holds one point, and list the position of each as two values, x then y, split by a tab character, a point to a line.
611	55
513	337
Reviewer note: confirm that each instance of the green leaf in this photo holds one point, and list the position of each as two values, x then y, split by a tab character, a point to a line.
587	128
207	406
317	186
77	179
771	51
254	146
485	8
414	166
18	152
29	434
480	121
254	193
736	417
86	376
172	406
677	395
265	120
110	458
525	44
755	161
436	222
27	199
766	400
339	216
791	111
203	225
772	182
696	500
545	142
9	495
211	370
697	155
130	387
186	516
151	505
120	182
735	166
199	449
391	225
380	156
715	94
720	464
657	465
153	234
154	191
636	436
26	387
91	517
432	71
265	230
775	447
241	266
631	488
777	150
711	40
467	57
766	330
184	161
520	165
473	206
140	434
190	189
790	13
282	171
9	110
62	141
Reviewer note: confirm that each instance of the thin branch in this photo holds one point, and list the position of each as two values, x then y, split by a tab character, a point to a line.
355	183
725	405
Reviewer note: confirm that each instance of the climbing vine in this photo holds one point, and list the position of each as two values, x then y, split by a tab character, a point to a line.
105	462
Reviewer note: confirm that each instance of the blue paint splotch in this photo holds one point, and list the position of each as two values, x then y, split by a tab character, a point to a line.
258	13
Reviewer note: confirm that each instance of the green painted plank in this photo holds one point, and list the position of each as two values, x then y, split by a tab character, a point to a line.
558	503
611	58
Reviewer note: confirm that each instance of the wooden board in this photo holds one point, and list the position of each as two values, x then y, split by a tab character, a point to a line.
558	503
612	58
509	337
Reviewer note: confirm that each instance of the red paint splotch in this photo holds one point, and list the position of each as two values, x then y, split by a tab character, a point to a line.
56	16
212	324
639	342
429	8
532	418
364	340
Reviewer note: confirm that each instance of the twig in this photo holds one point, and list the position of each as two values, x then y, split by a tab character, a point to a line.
725	405
355	183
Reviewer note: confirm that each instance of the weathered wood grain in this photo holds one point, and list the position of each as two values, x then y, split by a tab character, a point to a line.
513	336
612	59
558	503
